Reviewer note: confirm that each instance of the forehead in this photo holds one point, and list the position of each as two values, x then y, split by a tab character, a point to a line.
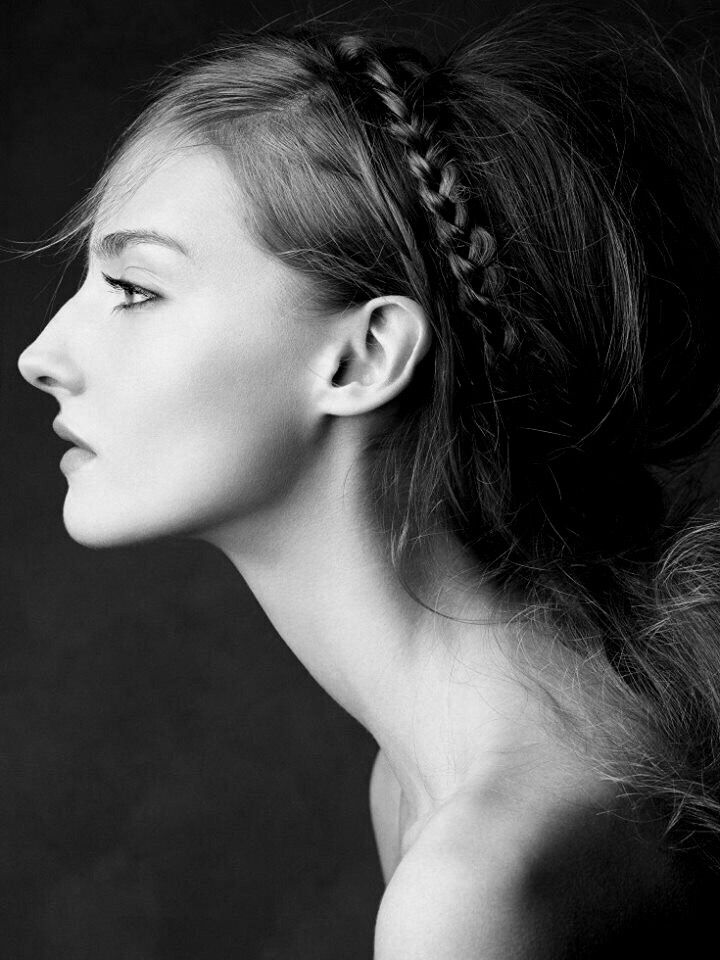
191	196
188	195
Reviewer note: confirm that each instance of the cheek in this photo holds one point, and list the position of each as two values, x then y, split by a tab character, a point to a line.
223	431
240	446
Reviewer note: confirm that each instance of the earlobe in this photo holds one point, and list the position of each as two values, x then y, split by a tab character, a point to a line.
382	343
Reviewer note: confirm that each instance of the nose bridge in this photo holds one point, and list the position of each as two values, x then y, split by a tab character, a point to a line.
47	363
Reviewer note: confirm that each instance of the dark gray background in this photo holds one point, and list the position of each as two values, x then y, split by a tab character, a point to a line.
173	784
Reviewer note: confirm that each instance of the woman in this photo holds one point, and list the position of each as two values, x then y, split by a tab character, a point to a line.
428	351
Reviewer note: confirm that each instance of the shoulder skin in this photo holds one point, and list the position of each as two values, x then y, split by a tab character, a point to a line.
487	882
452	897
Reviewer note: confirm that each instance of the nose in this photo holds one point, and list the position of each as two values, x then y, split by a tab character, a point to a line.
47	365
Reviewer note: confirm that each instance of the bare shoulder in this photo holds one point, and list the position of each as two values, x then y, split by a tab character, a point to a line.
454	895
483	887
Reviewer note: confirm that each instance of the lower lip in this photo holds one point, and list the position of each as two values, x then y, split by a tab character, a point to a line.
75	458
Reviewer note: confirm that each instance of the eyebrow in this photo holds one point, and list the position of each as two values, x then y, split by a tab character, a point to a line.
113	244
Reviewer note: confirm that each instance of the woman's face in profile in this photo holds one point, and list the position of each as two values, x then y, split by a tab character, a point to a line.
193	391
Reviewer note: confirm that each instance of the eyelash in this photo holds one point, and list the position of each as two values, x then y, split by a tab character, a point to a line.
131	289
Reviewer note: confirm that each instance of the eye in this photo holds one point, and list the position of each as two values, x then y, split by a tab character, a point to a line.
131	290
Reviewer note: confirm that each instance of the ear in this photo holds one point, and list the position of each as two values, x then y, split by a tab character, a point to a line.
374	356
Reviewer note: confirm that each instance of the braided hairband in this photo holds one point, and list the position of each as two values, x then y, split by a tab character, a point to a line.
471	248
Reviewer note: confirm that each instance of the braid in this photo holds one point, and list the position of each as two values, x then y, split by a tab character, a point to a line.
470	249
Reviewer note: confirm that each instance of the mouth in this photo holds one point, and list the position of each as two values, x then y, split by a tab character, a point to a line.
79	454
66	434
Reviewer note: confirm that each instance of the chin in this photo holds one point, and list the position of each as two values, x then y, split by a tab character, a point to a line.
97	530
99	537
100	516
94	525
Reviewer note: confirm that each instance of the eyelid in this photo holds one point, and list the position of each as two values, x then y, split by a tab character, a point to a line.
130	288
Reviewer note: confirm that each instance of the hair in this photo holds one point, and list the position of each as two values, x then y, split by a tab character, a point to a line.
547	192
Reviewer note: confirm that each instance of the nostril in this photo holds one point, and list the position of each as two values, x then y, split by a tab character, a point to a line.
47	372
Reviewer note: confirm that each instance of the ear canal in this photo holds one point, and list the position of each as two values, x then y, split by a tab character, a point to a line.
341	370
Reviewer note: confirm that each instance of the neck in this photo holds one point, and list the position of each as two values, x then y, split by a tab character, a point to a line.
434	692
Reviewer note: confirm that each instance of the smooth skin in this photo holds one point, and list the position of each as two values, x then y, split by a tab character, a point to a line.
216	410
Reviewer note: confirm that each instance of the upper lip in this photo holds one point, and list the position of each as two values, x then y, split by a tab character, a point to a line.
62	431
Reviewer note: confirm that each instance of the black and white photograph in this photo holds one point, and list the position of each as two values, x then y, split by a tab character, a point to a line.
360	392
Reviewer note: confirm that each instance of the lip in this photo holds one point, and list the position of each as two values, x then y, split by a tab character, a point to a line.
62	431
